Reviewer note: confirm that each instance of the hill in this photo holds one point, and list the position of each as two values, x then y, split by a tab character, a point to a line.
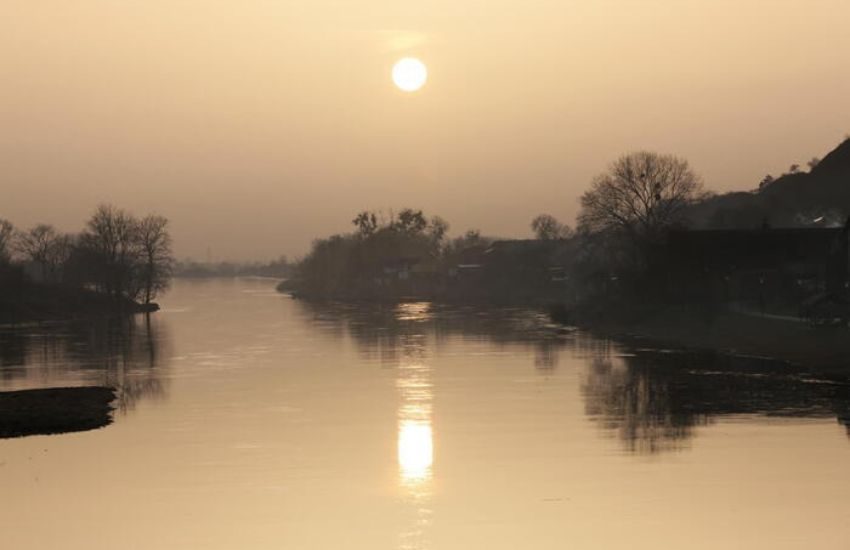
820	197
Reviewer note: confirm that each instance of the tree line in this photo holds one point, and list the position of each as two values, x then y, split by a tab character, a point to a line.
356	263
116	254
623	216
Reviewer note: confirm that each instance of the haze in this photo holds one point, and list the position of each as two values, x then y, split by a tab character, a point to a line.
258	126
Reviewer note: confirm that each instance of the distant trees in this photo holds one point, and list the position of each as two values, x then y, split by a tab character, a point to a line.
116	254
353	262
453	250
640	195
548	228
279	268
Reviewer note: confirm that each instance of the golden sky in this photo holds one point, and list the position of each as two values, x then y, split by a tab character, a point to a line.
257	126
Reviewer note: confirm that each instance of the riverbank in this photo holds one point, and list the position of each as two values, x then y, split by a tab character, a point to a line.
55	410
818	348
31	302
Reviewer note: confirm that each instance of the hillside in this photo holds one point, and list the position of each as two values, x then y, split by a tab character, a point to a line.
820	197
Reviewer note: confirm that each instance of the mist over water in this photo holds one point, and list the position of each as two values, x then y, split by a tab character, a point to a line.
247	419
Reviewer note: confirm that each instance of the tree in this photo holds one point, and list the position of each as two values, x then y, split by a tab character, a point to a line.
59	254
765	182
156	261
366	222
111	244
794	169
7	236
548	228
437	229
36	246
640	195
410	221
812	163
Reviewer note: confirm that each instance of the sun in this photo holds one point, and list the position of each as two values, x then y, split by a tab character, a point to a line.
409	74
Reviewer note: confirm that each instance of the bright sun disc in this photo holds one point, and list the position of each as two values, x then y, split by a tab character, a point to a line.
409	74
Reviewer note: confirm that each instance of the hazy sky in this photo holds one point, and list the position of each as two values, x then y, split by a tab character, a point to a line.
257	126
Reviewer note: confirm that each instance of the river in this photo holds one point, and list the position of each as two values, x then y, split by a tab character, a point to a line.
246	419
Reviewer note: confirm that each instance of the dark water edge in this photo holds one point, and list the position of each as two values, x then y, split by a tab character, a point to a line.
55	410
822	349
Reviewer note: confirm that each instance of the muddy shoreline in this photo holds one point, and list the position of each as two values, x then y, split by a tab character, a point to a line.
55	410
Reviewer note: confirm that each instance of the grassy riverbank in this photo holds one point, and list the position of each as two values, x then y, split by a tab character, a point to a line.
54	410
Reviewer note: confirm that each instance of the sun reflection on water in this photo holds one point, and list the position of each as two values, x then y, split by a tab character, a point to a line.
413	311
415	434
415	451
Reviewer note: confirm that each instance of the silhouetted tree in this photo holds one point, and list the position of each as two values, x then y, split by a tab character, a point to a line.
111	243
366	222
59	253
437	229
35	246
410	221
362	263
640	195
813	162
156	261
7	235
765	182
794	168
548	228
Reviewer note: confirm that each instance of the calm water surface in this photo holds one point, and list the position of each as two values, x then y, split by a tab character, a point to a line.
249	420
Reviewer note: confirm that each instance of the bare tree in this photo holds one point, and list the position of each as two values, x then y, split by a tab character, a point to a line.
59	254
548	228
7	236
640	195
156	261
111	243
36	246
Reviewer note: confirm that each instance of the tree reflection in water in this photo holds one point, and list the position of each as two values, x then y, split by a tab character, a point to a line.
382	332
127	354
654	400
